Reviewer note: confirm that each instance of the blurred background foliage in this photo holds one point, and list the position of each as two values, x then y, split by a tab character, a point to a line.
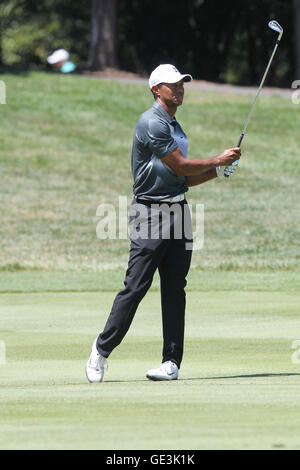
32	30
222	41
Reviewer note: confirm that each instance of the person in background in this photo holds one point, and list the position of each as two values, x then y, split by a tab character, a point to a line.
60	59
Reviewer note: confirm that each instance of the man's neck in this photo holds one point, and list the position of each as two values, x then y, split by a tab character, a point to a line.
171	110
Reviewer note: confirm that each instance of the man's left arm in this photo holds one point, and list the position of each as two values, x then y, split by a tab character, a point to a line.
194	180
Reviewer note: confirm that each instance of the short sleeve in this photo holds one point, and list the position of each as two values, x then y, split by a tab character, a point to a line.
160	140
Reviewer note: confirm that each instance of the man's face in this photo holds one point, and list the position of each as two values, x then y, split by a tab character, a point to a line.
172	93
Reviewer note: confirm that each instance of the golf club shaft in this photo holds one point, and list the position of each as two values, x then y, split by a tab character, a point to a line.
256	96
258	91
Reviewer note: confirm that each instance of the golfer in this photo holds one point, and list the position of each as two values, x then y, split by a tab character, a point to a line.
162	175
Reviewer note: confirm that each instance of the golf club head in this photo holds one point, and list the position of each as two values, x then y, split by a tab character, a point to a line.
276	27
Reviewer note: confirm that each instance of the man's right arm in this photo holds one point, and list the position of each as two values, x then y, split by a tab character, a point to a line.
188	167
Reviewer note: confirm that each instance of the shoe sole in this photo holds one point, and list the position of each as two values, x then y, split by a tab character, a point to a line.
156	379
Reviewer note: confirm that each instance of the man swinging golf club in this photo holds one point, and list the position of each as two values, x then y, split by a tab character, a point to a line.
162	174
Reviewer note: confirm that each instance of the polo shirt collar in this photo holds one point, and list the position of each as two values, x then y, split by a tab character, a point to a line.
163	112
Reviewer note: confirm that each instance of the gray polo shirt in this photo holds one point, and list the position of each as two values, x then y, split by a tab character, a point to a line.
156	135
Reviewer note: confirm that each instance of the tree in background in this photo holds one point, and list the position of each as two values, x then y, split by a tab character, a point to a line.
10	11
31	30
225	41
296	6
103	39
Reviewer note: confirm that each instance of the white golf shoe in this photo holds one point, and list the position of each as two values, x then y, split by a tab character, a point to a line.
95	366
166	371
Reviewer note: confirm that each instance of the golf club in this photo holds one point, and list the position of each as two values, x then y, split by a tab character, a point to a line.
276	27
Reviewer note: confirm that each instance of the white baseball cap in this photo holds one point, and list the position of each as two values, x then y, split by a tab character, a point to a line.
61	55
167	73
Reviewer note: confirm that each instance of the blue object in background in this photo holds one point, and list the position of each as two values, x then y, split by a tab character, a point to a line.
68	67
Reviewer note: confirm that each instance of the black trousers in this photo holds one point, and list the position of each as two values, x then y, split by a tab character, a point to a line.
156	243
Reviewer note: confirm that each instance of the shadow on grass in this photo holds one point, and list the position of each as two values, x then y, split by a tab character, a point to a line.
249	376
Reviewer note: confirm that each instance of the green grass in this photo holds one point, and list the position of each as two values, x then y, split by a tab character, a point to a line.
238	387
26	282
65	149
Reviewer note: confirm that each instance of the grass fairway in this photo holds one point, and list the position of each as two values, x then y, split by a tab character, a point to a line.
238	387
65	149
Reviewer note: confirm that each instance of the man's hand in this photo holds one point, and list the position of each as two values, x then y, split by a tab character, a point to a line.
229	156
